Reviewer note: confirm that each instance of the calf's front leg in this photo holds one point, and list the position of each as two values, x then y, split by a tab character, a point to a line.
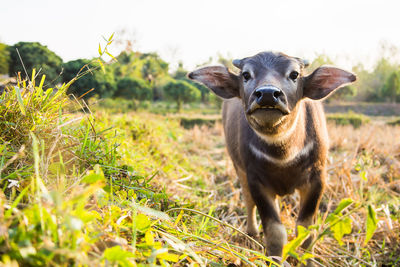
310	196
275	236
252	228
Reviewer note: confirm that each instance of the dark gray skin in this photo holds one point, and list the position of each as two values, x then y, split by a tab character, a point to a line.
276	134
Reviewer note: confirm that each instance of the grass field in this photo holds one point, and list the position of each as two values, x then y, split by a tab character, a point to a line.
143	189
363	166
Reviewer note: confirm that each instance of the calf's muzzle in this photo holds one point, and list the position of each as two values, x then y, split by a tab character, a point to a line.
268	96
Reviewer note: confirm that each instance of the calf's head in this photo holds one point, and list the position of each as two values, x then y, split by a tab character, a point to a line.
270	85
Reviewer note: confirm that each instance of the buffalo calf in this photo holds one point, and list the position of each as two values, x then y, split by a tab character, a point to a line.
276	134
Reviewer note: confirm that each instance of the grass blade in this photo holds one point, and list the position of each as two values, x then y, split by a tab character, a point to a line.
372	224
20	101
16	202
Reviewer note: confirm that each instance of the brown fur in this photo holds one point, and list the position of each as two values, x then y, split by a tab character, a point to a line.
275	153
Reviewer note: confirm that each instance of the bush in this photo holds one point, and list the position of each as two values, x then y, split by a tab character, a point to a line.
391	90
35	55
350	118
4	58
103	84
181	74
118	105
181	92
133	88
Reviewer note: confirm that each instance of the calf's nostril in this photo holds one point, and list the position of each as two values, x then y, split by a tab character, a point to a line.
277	94
258	94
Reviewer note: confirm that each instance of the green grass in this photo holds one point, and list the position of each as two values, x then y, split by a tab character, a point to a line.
120	105
350	118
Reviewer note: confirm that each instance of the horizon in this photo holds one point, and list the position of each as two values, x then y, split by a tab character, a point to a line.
349	36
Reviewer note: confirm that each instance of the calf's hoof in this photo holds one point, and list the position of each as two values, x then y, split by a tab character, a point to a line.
279	261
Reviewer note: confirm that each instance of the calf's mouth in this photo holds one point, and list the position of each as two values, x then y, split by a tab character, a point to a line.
280	106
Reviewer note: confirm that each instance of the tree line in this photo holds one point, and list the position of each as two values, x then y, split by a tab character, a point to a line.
146	76
133	75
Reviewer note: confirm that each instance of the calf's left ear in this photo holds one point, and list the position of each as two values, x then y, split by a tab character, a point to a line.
325	80
219	79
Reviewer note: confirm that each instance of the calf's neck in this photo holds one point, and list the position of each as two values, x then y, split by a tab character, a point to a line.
276	134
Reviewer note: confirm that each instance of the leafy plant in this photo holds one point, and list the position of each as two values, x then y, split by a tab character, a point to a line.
371	224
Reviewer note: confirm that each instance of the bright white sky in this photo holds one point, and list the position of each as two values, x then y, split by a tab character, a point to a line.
192	31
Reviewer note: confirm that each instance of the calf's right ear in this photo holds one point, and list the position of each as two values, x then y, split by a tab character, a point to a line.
219	79
325	80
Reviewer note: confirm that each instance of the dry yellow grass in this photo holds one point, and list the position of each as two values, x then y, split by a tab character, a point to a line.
363	165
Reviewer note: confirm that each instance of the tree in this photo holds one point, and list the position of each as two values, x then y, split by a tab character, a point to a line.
4	58
102	83
392	86
181	74
153	67
372	84
71	68
128	64
181	92
82	85
147	66
320	60
135	88
345	93
227	62
34	55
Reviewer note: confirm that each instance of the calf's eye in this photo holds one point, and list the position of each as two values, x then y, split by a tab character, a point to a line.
293	75
246	76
